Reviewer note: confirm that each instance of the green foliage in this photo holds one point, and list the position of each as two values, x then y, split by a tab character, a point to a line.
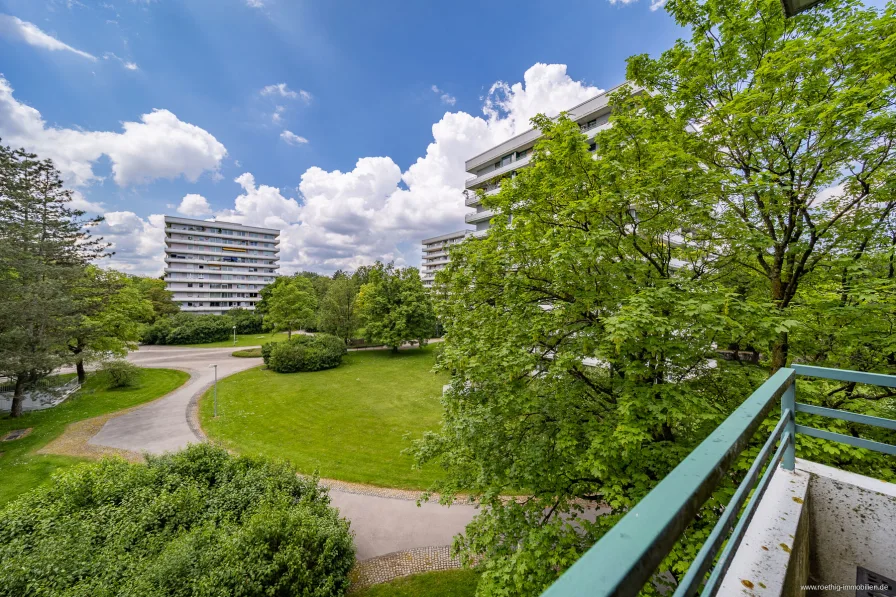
445	583
188	328
305	353
338	313
394	307
292	305
110	310
121	374
44	248
791	123
246	322
156	292
745	202
199	522
266	350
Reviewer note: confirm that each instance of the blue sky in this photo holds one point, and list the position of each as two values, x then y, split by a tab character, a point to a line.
319	109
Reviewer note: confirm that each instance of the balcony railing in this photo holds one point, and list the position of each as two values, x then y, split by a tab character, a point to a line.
627	557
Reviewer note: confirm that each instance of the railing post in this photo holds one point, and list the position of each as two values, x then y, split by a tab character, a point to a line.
788	402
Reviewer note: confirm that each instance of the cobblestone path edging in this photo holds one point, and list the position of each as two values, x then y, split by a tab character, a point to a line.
401	563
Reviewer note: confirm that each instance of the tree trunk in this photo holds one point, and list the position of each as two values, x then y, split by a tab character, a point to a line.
18	397
781	345
79	367
779	352
289	333
394	350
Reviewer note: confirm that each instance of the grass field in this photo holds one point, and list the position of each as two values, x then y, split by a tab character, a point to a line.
21	469
243	340
449	583
349	422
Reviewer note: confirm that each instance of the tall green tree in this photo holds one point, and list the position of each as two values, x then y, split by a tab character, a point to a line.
793	119
109	310
44	248
582	332
394	307
338	313
156	292
292	305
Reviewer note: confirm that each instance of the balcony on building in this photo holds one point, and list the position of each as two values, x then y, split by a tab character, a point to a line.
791	524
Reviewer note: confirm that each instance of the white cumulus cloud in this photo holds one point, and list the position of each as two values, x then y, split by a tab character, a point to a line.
138	243
283	90
16	29
160	145
376	210
446	97
194	206
292	138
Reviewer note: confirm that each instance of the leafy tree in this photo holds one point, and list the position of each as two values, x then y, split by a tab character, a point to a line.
264	295
338	315
394	307
109	307
582	331
292	305
793	119
155	291
44	246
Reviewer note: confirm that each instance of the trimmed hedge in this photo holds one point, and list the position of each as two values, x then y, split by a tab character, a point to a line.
200	522
304	353
186	328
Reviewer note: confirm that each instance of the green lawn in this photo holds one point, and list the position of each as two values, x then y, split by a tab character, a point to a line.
21	469
243	340
349	422
449	583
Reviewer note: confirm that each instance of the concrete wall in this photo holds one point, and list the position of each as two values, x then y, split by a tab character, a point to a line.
852	521
773	557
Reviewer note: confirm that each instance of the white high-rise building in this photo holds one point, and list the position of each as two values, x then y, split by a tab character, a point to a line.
212	267
435	254
489	167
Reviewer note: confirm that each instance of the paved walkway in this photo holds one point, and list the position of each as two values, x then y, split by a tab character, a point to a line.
382	525
163	425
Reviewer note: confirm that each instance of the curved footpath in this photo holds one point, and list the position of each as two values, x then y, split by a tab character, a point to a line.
388	525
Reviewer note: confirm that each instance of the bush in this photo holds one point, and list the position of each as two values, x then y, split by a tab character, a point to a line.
121	374
199	522
306	353
186	328
266	351
246	322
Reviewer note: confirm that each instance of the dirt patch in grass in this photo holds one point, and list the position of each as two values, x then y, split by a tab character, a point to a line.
16	434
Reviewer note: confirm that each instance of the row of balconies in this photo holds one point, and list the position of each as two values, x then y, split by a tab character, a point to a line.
224	233
182	238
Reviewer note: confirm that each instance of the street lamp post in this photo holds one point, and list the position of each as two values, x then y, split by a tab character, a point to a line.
234	335
216	390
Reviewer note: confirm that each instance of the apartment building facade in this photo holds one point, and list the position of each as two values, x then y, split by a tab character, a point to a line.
504	160
435	254
212	267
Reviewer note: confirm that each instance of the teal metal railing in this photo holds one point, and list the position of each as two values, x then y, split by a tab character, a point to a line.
627	557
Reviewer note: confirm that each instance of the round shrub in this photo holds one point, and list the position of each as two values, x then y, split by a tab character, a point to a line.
306	353
200	522
266	351
121	373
